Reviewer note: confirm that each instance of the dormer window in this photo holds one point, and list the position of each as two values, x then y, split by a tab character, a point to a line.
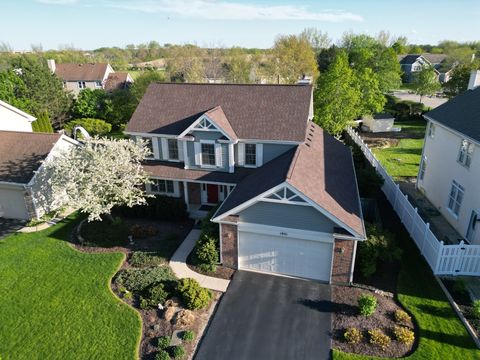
208	154
250	154
173	149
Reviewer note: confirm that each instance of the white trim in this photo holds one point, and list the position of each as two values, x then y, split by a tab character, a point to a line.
156	150
142	134
192	127
164	143
202	165
259	155
352	267
282	142
220	241
458	133
186	160
231	158
181	153
193	181
286	232
185	195
218	155
241	154
12	108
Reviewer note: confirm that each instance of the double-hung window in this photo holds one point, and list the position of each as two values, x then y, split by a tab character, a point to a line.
149	146
162	186
98	84
455	198
81	84
172	149
465	153
423	168
250	154
208	154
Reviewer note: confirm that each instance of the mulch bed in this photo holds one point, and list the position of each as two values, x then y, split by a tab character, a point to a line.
154	325
345	315
222	272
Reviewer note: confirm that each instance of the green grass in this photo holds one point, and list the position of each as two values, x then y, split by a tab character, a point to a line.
403	159
56	302
442	335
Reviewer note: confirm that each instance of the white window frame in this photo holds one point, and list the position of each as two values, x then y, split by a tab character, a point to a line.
242	155
98	84
465	153
455	198
149	140
255	160
199	156
423	168
154	187
81	84
170	157
431	131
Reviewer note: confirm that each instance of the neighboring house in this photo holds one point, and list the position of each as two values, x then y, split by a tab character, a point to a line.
117	81
77	77
21	156
412	64
290	199
14	119
449	174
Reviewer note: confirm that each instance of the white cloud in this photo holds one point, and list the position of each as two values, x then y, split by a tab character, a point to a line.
57	2
228	10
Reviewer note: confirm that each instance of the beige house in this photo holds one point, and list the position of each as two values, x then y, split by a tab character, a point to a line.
77	77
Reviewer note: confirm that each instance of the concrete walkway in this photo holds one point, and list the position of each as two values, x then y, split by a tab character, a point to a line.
181	270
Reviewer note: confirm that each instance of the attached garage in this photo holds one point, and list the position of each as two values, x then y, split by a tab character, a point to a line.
285	252
12	203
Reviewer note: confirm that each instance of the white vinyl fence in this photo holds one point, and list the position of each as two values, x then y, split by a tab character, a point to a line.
461	259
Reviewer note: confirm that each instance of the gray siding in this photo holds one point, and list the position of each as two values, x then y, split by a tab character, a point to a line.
204	135
290	216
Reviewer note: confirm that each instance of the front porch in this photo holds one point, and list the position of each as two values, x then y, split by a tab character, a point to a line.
201	197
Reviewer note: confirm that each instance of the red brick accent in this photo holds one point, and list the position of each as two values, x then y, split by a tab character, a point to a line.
342	261
194	193
228	236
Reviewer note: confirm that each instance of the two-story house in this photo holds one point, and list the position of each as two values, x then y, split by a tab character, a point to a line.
77	77
288	190
412	64
449	173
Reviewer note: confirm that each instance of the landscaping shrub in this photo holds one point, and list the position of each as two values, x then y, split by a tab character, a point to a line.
93	126
144	303
105	233
157	208
156	294
139	231
367	304
162	355
193	295
163	342
402	317
404	335
377	337
353	335
209	228
188	335
140	279
145	259
380	245
177	351
207	254
476	309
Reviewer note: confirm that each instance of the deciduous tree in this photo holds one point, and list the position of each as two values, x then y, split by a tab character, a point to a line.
426	82
459	78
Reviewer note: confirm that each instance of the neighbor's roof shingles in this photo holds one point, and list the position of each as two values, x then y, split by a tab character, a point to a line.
321	168
266	112
461	114
81	72
21	154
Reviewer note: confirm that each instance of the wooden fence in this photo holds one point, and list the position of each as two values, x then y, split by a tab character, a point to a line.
461	259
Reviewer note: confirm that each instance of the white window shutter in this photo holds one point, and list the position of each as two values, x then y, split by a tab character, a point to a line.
180	150
241	154
218	155
259	155
198	153
164	149
156	152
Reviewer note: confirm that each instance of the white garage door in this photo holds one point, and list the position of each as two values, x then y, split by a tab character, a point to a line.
285	255
12	204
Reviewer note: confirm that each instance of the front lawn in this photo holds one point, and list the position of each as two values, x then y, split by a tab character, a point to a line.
56	302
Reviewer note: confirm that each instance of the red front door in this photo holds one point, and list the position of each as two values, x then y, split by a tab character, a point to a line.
212	194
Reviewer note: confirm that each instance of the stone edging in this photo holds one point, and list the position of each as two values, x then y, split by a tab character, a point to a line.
455	307
46	224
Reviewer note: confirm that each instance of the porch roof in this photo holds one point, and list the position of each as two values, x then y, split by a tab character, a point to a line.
176	171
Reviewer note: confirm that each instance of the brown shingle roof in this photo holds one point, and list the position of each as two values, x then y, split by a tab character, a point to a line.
176	171
116	81
321	169
217	115
21	154
266	112
83	72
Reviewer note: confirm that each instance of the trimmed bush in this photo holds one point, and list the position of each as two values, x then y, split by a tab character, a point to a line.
93	126
157	208
353	335
188	335
404	335
207	254
157	294
193	295
177	351
105	233
163	342
162	355
140	279
42	124
367	304
402	317
476	309
378	338
145	259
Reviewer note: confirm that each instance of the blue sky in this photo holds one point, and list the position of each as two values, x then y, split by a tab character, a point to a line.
89	24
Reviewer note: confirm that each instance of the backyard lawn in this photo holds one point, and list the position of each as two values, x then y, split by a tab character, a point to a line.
403	159
56	302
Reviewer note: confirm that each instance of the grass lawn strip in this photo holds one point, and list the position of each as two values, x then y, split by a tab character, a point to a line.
57	302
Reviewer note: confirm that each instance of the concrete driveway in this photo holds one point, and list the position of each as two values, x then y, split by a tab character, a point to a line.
269	317
8	226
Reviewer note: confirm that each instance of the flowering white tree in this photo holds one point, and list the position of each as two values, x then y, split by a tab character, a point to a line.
95	177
